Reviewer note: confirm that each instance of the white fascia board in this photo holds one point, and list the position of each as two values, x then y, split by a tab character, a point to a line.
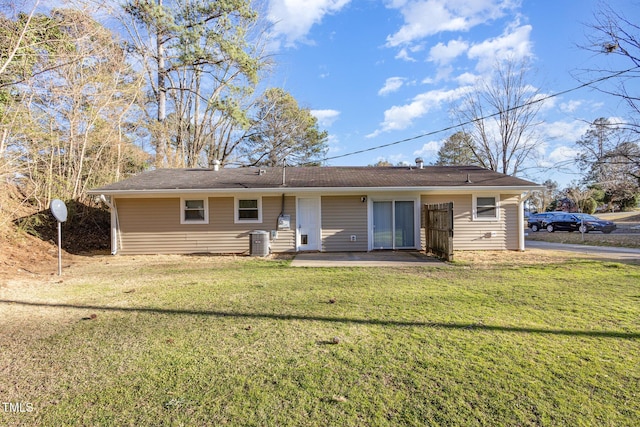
483	189
316	190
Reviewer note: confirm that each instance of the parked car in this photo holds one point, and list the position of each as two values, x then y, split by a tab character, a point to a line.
534	222
577	222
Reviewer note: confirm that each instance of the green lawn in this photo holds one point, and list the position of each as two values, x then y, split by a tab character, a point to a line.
209	341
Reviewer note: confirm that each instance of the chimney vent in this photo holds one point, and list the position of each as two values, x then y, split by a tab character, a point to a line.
216	164
420	163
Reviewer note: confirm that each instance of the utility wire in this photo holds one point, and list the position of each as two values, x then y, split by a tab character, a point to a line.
448	128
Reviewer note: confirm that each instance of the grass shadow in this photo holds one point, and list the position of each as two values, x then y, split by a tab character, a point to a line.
351	320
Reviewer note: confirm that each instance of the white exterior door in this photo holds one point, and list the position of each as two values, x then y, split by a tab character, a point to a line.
308	227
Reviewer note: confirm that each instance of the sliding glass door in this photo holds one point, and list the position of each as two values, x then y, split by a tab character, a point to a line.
404	229
393	224
383	225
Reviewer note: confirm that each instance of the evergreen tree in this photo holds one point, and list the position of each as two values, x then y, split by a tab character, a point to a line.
457	150
283	130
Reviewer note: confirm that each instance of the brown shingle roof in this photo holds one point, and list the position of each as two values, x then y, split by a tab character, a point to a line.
313	177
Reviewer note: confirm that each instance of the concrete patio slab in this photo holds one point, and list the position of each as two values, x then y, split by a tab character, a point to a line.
364	259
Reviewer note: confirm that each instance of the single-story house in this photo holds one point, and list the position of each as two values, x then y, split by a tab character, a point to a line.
181	211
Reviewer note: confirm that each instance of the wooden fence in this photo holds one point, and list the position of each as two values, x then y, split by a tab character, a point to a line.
437	221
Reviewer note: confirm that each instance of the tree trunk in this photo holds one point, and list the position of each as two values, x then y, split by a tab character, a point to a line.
162	101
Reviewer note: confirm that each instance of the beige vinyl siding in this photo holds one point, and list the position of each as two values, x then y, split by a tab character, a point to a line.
509	204
343	217
476	235
152	226
271	207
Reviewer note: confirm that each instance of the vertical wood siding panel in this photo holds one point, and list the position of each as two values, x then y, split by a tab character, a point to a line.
343	217
510	210
271	208
150	226
476	235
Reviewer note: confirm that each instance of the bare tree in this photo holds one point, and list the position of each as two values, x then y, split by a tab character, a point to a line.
14	41
614	38
579	195
611	161
73	133
541	200
501	117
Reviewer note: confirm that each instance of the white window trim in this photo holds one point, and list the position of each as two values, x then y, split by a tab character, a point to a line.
236	203
475	208
183	220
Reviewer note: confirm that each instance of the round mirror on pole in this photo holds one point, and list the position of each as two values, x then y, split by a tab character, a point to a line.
59	211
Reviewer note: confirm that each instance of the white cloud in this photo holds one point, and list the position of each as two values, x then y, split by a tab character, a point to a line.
562	153
402	116
595	106
335	147
616	120
405	56
570	107
467	79
444	73
424	18
569	131
397	159
546	103
293	19
429	149
443	54
325	117
391	85
514	43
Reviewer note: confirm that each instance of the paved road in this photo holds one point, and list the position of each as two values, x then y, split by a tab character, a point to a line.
601	251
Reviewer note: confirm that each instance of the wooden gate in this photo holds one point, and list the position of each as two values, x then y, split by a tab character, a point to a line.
437	220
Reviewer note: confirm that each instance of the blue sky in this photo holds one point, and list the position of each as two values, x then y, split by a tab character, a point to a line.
375	72
379	71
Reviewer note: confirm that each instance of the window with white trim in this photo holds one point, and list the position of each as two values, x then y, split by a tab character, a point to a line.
248	209
194	210
486	208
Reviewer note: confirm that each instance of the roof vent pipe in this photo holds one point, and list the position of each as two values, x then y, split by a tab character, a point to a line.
420	163
284	167
216	164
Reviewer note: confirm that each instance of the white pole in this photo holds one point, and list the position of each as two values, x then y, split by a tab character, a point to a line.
59	248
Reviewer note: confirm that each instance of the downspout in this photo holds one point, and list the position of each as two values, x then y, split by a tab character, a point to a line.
523	197
116	236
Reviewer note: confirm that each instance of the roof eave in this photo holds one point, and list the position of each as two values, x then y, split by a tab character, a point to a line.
279	190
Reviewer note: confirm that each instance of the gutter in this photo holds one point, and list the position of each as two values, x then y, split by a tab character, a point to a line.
116	236
338	190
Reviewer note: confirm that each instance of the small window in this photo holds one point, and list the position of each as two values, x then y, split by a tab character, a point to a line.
485	208
248	210
194	211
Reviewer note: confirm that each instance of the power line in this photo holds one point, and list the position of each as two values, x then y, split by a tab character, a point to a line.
448	128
